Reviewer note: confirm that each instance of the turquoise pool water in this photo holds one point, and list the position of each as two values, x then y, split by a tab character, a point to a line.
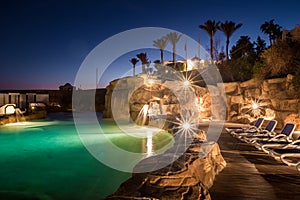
47	159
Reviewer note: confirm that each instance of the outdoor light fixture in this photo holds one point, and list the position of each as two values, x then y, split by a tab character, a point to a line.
255	106
186	83
150	82
186	125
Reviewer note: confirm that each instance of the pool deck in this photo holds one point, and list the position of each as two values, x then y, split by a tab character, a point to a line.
252	174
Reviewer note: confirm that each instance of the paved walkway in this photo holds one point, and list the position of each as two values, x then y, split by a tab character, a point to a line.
251	174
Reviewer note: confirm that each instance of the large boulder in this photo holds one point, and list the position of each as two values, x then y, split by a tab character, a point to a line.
252	83
239	99
277	80
188	177
252	93
289	105
231	88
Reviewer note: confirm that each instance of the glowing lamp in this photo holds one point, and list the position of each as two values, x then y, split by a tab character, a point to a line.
186	83
150	81
186	125
255	106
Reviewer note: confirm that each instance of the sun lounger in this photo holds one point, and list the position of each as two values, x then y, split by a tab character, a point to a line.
291	159
289	154
267	131
293	147
254	128
280	140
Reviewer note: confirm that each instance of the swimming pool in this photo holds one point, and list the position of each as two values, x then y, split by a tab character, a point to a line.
47	159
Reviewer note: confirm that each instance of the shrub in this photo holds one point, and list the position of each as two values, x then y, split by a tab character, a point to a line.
279	60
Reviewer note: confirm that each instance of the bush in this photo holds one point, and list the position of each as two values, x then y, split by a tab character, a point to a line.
278	60
240	69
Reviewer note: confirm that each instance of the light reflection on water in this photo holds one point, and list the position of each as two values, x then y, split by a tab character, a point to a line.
149	144
48	157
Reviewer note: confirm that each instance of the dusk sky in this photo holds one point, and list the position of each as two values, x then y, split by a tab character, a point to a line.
43	43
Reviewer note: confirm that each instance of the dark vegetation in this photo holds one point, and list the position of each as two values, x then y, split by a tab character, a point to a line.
246	59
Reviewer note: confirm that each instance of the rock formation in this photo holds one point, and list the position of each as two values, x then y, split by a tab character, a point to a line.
276	97
188	177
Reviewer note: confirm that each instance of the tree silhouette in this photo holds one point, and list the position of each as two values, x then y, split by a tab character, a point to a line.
243	47
272	30
260	45
228	28
161	44
133	61
221	56
144	60
174	37
211	27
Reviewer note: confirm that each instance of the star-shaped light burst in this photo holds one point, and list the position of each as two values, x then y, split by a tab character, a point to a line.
254	107
186	128
187	81
186	125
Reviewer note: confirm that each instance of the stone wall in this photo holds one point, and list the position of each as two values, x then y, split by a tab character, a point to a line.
133	93
276	98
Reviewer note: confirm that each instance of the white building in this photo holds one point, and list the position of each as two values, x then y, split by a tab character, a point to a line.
22	101
7	109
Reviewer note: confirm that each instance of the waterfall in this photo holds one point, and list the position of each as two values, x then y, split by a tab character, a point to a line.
142	116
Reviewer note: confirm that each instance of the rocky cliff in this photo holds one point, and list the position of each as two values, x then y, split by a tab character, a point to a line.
276	98
188	177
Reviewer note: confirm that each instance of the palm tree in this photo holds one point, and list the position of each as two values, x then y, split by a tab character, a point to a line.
174	37
272	30
144	60
161	44
134	61
228	28
211	27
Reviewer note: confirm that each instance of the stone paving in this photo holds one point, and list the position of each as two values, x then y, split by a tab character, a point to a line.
252	174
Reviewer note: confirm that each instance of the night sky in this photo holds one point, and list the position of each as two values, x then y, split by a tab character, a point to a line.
43	43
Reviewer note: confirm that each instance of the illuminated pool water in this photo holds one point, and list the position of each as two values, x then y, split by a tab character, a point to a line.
47	159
